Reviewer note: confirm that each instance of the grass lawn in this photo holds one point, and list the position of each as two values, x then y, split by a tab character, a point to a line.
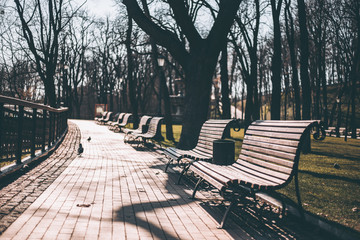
331	193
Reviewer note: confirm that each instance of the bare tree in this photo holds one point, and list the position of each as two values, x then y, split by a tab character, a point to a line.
74	46
290	34
248	58
304	61
198	60
276	61
42	24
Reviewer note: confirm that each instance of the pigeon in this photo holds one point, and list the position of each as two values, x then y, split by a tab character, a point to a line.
80	150
89	139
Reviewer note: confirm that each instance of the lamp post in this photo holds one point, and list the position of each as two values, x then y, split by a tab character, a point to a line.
120	86
338	101
161	62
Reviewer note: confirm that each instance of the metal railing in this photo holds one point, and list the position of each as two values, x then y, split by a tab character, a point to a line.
26	128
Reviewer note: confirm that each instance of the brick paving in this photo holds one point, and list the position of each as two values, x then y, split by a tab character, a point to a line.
114	191
20	190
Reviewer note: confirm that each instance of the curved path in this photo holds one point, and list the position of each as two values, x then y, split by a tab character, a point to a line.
114	191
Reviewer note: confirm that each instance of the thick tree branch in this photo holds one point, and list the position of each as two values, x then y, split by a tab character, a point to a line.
164	38
184	21
222	24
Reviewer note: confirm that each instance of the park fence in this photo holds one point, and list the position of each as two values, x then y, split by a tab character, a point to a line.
28	130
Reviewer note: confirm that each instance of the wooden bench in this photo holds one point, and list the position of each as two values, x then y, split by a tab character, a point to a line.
143	125
330	131
211	130
125	121
112	125
106	119
268	161
153	133
103	115
113	119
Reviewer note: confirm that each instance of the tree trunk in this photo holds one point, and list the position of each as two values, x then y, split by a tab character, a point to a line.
249	108
225	100
130	78
50	90
355	75
167	106
197	99
276	62
304	61
164	89
290	32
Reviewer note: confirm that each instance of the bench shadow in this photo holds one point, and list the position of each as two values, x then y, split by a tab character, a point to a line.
334	155
330	176
243	222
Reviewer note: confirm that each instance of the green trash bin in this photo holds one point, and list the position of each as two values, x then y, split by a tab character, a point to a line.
223	152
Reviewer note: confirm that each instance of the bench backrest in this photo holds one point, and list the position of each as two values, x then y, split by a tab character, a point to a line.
103	115
144	120
126	118
115	117
211	130
120	117
108	116
155	127
271	150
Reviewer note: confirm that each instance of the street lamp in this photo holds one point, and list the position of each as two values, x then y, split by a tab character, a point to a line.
161	62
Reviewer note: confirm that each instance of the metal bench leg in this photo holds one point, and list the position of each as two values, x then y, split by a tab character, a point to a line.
185	169
196	187
228	210
143	141
168	164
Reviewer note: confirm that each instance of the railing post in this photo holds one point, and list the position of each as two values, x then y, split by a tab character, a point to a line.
19	135
55	127
1	128
61	123
43	139
33	133
50	129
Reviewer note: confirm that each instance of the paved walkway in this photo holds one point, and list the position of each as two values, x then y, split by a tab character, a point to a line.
114	191
20	190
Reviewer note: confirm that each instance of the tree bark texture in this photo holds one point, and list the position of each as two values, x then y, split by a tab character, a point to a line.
130	77
304	61
290	32
225	100
276	62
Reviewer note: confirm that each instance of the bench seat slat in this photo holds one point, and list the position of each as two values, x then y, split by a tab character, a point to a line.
270	152
267	158
260	169
284	129
266	164
272	146
274	134
237	176
198	155
208	138
292	143
288	123
228	177
210	171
